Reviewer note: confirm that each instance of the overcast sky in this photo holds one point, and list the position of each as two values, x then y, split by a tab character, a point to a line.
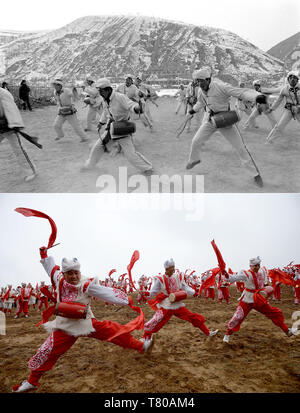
262	22
103	236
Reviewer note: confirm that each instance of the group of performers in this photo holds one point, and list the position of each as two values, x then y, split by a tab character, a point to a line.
72	293
207	101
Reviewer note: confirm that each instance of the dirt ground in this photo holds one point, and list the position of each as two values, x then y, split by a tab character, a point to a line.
59	162
259	359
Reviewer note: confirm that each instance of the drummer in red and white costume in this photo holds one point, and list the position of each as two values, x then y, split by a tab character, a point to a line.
142	292
164	286
23	300
43	300
9	299
254	280
72	288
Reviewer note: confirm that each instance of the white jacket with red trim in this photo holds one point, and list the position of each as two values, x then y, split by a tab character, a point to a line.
80	293
176	283
246	277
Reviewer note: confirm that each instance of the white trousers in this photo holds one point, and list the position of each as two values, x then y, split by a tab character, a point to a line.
132	155
231	134
250	122
91	116
18	149
73	121
286	117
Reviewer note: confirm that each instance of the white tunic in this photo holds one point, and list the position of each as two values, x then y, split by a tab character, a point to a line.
76	293
175	284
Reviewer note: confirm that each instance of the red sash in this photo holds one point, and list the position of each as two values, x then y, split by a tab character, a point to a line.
257	297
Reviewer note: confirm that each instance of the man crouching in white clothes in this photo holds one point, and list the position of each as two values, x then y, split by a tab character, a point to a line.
74	293
117	107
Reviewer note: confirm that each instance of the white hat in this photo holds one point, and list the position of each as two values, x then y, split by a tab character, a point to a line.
70	264
203	73
255	261
57	82
129	75
293	73
169	263
102	83
256	82
89	77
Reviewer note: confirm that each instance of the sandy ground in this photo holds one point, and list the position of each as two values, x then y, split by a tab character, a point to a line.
59	163
259	359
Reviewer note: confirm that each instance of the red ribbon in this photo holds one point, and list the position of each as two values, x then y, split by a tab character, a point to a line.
210	281
34	213
221	262
135	324
111	272
134	258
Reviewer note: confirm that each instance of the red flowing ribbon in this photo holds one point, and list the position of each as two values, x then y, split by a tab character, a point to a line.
221	262
210	281
34	213
111	272
135	324
134	258
280	276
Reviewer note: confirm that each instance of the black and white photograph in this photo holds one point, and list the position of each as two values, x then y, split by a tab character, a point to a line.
150	97
149	200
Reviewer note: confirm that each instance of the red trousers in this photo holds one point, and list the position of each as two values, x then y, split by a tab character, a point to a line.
209	293
59	342
276	293
22	307
162	316
43	301
225	293
274	313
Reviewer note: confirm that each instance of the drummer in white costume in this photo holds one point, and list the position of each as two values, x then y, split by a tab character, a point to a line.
94	102
215	96
73	291
117	107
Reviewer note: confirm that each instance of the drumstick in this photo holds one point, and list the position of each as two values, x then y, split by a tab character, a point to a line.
183	125
256	167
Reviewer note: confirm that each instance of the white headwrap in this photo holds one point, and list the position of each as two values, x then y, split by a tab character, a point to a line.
293	73
102	83
255	261
256	82
70	264
169	263
204	73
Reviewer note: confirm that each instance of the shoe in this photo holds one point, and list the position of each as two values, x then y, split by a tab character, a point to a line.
226	339
26	316
213	333
16	316
258	181
84	140
191	164
87	130
148	345
31	177
86	168
25	386
149	172
58	138
293	331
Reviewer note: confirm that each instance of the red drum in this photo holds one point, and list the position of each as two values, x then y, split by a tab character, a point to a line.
223	119
71	310
177	296
121	128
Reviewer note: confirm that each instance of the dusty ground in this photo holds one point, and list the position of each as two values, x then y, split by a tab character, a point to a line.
260	358
59	162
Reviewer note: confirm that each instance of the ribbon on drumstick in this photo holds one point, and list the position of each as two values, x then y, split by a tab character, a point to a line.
27	212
